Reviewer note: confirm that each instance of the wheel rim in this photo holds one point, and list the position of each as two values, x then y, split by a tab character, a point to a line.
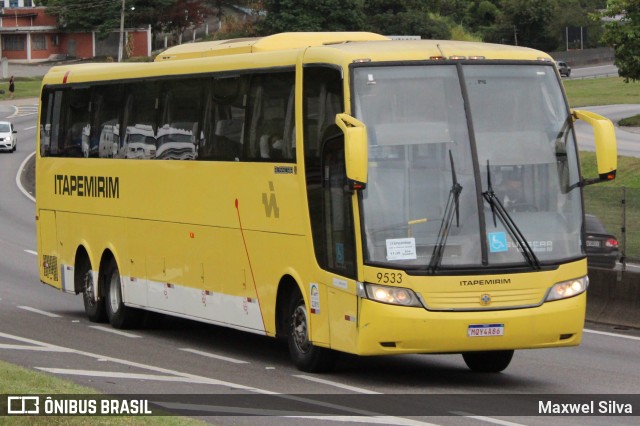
299	329
89	289
114	295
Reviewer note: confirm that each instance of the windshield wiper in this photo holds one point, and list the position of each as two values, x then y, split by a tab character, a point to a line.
562	160
498	209
452	207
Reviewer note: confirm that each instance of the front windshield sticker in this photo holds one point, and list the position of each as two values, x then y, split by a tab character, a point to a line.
498	242
401	249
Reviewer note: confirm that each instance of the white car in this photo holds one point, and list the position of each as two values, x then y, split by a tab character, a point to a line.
8	136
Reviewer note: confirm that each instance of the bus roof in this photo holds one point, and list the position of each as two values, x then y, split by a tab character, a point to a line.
263	44
282	50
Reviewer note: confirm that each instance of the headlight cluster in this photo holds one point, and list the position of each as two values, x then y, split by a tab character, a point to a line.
392	295
567	289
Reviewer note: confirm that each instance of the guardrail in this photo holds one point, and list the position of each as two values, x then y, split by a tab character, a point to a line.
585	77
613	297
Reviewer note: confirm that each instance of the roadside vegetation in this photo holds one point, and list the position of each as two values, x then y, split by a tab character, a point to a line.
630	121
26	87
601	91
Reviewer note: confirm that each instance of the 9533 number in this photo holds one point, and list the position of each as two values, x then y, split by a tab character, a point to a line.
389	277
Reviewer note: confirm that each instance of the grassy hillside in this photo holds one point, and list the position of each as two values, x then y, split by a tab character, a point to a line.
601	91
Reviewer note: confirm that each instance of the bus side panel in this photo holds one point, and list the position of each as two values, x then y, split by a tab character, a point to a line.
134	268
48	254
343	313
96	233
196	271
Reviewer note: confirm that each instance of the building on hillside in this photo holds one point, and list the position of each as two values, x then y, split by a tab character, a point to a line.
28	34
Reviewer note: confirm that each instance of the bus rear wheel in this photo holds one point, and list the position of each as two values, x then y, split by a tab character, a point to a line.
488	361
120	316
93	303
304	354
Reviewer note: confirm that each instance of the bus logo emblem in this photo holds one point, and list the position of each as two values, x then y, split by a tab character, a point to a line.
270	202
485	300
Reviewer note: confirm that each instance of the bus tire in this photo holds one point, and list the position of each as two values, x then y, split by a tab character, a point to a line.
304	354
120	316
488	361
93	306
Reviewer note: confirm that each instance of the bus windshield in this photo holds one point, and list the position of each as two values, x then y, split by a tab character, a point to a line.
441	139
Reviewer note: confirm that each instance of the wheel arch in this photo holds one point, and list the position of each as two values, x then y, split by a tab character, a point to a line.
286	287
105	259
81	263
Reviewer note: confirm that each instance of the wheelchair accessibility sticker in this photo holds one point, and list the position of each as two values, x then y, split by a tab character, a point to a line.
498	242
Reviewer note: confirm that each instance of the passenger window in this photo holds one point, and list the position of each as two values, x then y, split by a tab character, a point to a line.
50	122
223	124
271	120
139	122
178	136
104	132
77	123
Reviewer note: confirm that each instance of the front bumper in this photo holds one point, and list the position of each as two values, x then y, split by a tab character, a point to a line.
388	329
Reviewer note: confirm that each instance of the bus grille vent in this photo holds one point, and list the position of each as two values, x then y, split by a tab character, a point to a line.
51	267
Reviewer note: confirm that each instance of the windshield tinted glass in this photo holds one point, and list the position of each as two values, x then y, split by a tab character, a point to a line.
420	148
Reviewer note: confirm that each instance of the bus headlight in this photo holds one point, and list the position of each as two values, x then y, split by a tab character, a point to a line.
392	295
568	289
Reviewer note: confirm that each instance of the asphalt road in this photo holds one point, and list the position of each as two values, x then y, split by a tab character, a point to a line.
45	330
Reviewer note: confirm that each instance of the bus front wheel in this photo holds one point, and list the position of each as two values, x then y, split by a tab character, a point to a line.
120	316
305	355
488	361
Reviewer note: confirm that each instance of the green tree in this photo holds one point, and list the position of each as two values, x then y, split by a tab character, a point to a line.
182	14
311	15
147	12
105	15
576	14
622	32
481	15
526	23
77	15
405	17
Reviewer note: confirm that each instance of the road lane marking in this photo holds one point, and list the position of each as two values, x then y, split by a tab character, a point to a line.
33	252
118	375
486	419
19	183
336	384
210	355
199	379
381	420
38	311
114	331
206	380
605	333
31	348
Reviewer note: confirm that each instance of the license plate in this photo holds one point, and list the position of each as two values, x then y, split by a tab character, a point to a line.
485	330
593	243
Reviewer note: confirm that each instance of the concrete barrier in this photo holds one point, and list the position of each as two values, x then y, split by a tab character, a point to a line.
613	297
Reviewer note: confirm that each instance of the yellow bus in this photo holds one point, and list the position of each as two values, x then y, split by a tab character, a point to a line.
343	191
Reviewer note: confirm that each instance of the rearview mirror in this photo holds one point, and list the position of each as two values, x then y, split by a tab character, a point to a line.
355	150
606	147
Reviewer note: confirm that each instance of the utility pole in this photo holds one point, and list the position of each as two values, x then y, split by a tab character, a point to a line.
120	45
515	33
